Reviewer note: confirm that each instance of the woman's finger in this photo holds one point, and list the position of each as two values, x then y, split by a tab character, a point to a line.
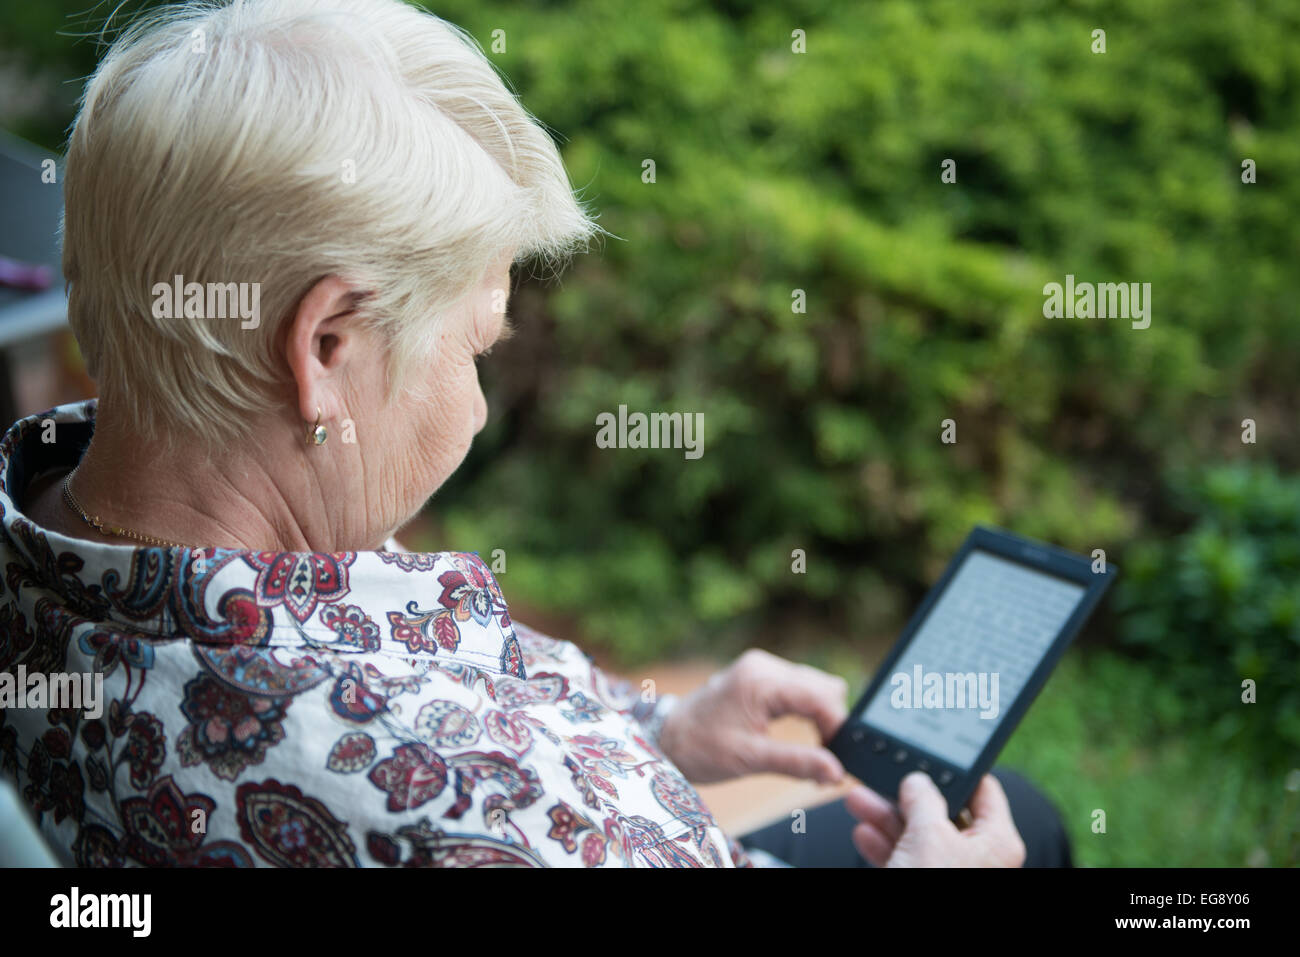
870	808
872	844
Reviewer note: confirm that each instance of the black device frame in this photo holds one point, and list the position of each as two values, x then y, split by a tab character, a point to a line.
881	760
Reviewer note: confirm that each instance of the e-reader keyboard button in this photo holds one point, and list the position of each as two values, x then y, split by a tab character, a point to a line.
879	744
945	777
923	765
900	755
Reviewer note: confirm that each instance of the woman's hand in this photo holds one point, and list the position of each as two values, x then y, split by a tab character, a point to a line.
720	730
919	834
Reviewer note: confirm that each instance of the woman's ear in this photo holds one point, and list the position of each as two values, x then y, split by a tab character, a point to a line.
321	339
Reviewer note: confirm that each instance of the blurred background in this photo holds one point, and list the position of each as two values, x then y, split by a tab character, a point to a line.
777	171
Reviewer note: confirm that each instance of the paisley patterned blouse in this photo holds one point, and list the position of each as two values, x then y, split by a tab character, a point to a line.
298	709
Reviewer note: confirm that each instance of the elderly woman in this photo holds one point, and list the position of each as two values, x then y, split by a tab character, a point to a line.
288	239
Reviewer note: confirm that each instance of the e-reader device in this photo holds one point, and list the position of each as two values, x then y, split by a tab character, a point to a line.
969	663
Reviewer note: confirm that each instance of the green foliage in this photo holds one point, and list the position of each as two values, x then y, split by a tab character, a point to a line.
821	171
1111	735
1219	603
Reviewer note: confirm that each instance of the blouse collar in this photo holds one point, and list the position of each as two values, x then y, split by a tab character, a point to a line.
444	605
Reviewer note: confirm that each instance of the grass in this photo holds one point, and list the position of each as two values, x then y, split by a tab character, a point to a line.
1106	736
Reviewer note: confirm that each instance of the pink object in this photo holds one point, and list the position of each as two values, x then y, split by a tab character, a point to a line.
18	275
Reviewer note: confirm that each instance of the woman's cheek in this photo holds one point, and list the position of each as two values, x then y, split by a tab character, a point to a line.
480	407
466	407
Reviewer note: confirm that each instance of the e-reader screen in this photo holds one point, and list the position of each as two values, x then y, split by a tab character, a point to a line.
971	657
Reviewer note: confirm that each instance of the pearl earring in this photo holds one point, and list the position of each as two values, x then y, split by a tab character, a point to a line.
317	434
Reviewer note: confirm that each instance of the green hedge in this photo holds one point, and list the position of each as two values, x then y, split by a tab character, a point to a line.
821	172
1109	734
1219	605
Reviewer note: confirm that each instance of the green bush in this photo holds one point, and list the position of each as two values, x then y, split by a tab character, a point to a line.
1112	735
1219	604
820	171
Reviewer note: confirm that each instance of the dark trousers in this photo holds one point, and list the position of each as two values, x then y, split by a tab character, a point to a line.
827	840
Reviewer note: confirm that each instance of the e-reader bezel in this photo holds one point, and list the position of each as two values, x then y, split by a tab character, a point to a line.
873	755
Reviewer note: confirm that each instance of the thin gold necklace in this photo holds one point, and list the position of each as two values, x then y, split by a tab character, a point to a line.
94	522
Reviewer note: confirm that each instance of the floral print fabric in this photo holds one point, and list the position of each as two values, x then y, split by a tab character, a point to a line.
292	709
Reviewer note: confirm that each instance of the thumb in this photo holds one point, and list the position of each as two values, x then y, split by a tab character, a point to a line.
920	802
796	760
991	809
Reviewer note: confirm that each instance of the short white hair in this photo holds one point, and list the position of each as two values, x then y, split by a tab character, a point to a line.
215	142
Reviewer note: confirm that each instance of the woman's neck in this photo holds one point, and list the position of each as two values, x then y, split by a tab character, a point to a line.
257	501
